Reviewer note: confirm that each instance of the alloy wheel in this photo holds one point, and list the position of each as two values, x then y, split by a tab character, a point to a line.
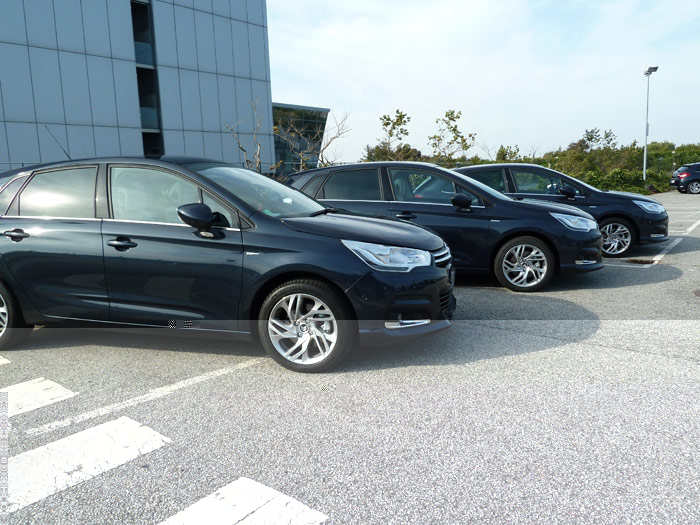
617	238
694	187
524	265
302	328
3	315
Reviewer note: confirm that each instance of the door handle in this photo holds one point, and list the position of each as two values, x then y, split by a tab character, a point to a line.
405	215
121	244
16	235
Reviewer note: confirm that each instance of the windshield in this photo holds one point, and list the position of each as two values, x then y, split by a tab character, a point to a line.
261	193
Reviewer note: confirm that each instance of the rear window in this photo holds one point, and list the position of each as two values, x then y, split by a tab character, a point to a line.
355	185
492	178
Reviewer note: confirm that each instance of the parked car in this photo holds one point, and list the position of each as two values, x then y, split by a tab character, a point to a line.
625	219
687	178
200	245
523	243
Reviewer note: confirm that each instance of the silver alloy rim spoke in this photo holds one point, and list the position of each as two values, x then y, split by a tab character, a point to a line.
524	265
616	238
3	316
694	187
302	328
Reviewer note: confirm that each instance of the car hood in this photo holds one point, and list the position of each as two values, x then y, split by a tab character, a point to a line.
555	207
631	196
366	229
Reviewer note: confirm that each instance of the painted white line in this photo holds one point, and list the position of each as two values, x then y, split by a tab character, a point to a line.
247	502
4	361
37	393
687	232
145	398
667	249
47	470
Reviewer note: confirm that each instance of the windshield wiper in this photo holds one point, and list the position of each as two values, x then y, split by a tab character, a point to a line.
326	210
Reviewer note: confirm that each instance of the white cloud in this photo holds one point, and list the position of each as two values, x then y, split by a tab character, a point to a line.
531	73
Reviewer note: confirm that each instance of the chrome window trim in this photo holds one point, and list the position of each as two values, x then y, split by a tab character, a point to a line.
436	204
167	224
50	218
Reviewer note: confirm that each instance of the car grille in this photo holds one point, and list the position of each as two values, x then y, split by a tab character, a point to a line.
442	256
445	300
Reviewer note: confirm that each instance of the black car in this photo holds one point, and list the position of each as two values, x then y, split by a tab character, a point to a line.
200	245
687	178
523	243
624	219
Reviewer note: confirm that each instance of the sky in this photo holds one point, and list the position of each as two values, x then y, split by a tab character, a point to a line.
530	73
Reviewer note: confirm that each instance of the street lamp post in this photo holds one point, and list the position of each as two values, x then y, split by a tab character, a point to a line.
647	74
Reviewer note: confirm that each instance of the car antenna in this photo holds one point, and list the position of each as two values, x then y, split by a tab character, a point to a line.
57	142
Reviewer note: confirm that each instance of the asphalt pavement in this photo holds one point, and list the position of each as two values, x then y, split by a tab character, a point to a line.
577	404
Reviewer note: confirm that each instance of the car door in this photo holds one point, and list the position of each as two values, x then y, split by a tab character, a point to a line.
52	246
161	271
424	196
356	189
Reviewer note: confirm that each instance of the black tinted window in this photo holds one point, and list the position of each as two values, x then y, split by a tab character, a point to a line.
356	185
143	194
492	178
9	192
532	181
312	187
412	185
60	193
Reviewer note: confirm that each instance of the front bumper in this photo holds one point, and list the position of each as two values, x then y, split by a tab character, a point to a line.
653	228
392	307
580	252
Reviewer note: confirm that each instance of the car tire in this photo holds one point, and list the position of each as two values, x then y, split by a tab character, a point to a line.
302	342
13	329
524	264
694	187
618	236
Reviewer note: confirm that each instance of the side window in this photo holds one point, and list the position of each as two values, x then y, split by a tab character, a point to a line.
492	178
312	187
354	185
527	181
423	186
60	193
143	194
223	217
9	192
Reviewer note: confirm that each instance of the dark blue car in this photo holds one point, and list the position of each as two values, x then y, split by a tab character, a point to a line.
194	244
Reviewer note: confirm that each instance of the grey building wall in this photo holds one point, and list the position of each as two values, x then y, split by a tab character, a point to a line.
69	66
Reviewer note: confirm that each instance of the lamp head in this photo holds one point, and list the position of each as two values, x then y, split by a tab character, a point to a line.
651	70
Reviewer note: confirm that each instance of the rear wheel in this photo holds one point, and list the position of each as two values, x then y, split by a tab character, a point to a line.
13	329
307	326
524	264
694	187
617	236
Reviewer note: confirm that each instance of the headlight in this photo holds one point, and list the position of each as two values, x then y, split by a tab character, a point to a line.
650	207
574	222
388	258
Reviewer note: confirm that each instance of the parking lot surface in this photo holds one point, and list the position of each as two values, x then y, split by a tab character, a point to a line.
577	404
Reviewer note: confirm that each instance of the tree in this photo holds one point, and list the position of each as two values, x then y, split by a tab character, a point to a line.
402	152
253	163
449	142
508	154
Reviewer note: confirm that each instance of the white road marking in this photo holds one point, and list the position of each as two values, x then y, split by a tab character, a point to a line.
4	361
247	502
667	249
37	393
687	232
145	398
47	470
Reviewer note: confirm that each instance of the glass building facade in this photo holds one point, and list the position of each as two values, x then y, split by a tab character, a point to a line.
298	137
133	77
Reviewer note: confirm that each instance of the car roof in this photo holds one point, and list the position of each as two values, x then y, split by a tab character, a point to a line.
375	164
502	165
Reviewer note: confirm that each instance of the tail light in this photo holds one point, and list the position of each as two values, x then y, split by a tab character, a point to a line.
683	175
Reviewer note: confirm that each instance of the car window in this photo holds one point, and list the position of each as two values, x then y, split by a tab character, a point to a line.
492	178
355	185
223	217
9	192
145	194
60	193
312	187
532	181
414	185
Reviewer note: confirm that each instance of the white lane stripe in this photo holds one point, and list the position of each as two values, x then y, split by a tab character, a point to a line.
687	232
667	249
145	398
47	470
3	361
247	502
30	395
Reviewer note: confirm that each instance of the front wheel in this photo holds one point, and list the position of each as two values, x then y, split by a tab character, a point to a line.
617	237
694	187
307	326
524	264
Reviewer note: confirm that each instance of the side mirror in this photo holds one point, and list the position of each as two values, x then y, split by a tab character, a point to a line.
196	215
462	201
567	191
